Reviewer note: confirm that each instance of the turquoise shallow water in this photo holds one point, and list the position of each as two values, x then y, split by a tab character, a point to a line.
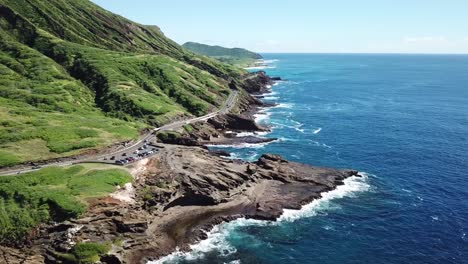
401	119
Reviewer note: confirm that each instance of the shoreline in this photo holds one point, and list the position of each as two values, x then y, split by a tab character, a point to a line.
352	185
186	190
209	228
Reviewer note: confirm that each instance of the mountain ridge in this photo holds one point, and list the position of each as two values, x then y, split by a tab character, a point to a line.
235	56
75	76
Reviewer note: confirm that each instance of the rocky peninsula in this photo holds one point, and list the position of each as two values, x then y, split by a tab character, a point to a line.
179	194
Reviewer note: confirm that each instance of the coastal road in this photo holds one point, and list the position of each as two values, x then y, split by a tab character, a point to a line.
128	151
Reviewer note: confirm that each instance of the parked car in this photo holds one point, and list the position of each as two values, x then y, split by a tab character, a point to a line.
124	154
119	162
136	152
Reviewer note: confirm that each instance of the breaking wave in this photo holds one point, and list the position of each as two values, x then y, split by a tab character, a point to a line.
217	239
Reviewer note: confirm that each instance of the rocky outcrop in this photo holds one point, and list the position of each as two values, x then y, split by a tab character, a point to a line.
235	122
16	256
186	190
183	191
256	82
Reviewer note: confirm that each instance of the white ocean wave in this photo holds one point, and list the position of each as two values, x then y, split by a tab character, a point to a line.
285	139
243	145
300	129
262	116
316	131
262	67
270	61
216	240
352	186
254	134
217	237
284	105
316	143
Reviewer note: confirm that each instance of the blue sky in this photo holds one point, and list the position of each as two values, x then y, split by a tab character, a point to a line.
363	26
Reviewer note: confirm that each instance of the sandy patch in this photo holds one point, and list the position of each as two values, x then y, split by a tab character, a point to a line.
125	194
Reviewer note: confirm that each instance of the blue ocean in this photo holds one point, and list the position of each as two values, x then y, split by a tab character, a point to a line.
401	120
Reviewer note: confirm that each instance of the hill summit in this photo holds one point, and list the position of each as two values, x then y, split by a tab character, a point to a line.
236	56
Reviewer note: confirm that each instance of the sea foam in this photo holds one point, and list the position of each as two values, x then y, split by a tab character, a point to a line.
316	131
217	238
254	134
242	145
352	186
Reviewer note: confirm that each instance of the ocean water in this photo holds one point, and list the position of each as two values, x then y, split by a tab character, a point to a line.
402	120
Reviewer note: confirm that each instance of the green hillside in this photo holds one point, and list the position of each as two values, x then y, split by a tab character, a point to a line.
74	76
235	56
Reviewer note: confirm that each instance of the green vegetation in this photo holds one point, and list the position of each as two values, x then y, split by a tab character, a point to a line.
74	76
84	253
53	193
188	128
168	136
235	56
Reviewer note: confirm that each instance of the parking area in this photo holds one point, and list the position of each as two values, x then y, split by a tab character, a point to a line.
146	149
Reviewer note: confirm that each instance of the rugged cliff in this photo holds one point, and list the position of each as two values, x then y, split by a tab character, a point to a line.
176	196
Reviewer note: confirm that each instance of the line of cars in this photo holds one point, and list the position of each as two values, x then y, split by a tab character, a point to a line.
141	152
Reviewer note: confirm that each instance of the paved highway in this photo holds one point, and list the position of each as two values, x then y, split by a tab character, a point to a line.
128	151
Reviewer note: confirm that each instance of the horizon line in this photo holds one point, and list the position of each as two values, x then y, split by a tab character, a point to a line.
362	53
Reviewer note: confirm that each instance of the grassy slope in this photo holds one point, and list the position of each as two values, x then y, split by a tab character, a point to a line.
234	56
74	76
54	193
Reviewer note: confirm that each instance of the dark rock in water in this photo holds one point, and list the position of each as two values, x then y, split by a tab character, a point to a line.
256	83
272	157
235	122
275	78
269	105
219	153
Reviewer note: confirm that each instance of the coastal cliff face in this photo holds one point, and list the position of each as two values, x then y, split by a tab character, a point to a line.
222	129
103	79
176	197
181	193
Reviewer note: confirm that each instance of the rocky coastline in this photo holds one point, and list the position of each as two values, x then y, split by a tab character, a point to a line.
185	190
228	129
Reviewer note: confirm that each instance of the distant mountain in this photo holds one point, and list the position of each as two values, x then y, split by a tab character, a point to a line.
74	76
235	56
